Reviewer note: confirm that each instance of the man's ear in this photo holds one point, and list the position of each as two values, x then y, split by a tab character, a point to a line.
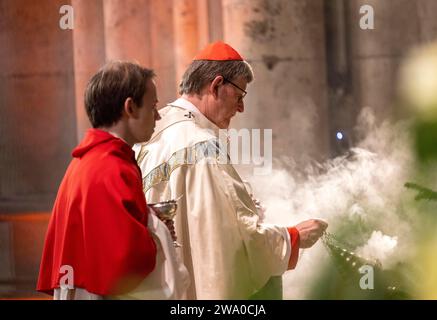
215	84
130	108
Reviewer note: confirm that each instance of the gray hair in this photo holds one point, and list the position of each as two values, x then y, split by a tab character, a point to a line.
201	72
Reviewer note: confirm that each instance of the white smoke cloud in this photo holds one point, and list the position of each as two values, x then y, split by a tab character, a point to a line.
363	187
380	247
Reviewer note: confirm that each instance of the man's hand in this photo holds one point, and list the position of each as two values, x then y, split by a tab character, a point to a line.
310	231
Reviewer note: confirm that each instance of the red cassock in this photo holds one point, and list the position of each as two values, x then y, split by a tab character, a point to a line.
99	221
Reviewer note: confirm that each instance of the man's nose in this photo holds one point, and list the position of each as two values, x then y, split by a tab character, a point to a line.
241	107
157	115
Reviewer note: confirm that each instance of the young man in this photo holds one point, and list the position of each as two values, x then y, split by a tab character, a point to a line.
98	242
229	252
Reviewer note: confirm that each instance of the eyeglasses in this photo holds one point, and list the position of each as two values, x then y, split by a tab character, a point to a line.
229	81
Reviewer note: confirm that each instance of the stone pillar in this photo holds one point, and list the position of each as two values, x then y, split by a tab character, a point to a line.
342	110
162	50
203	19
186	34
196	23
37	103
377	54
37	132
127	30
7	271
215	20
285	43
89	53
426	12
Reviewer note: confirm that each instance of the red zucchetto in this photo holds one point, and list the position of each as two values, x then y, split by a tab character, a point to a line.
218	51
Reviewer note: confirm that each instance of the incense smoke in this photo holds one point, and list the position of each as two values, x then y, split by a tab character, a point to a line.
379	247
361	189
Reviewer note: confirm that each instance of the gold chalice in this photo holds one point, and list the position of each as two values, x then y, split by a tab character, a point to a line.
166	211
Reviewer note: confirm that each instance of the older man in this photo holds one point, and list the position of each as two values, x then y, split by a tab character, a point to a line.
229	252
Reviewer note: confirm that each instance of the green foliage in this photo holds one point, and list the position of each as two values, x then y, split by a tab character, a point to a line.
422	192
425	140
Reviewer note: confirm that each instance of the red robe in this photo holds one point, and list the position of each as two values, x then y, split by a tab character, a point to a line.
99	221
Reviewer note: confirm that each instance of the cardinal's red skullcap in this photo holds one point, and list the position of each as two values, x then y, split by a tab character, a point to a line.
218	51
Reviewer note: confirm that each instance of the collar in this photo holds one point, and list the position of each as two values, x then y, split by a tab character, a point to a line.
199	117
96	137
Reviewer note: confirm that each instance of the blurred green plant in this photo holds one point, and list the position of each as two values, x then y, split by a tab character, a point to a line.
422	192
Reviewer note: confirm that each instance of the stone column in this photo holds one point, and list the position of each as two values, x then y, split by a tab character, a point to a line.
89	53
196	23
426	13
37	131
37	103
127	30
7	270
215	20
186	34
377	54
28	243
162	50
284	41
342	109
